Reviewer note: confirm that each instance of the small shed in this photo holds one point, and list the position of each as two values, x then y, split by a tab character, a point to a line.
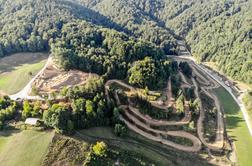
32	121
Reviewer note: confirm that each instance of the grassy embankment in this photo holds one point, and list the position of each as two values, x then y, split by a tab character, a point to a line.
236	127
18	69
247	100
22	148
65	150
162	155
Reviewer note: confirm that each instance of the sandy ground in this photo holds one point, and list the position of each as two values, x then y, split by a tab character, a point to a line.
52	79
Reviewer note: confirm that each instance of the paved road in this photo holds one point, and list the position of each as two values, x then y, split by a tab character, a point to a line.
237	99
24	93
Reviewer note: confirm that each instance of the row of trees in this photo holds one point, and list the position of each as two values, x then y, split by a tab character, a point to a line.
146	108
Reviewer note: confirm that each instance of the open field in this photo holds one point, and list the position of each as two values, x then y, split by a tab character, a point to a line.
236	127
23	148
163	155
15	69
65	150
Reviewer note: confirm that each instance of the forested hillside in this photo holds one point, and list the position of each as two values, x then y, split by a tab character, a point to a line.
219	31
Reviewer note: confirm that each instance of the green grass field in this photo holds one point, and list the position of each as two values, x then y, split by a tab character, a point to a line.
236	127
107	133
25	148
15	69
163	155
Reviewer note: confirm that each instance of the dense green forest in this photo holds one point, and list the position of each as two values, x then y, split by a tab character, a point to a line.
98	30
219	31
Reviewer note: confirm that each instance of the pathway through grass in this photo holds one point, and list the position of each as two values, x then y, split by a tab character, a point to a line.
236	127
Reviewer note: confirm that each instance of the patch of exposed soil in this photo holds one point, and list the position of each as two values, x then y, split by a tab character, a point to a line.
53	79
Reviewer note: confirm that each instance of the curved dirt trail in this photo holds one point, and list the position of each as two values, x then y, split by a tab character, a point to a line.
219	140
147	119
158	135
186	83
167	105
207	85
141	124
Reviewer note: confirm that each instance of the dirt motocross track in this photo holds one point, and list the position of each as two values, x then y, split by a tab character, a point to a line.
143	124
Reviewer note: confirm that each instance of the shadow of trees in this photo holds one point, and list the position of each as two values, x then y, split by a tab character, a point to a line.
9	63
89	15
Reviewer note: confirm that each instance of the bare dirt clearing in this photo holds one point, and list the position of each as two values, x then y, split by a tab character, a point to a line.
52	79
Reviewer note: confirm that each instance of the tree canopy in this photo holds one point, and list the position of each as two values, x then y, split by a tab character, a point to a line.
96	36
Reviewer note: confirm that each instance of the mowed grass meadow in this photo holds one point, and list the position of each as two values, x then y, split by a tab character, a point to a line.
163	155
18	69
24	148
236	127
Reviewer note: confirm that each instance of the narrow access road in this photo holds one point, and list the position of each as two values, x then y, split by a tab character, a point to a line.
24	93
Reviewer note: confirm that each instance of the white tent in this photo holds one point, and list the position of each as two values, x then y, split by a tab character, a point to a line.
31	121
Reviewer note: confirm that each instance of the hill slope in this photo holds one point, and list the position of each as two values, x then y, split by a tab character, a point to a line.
217	31
78	37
